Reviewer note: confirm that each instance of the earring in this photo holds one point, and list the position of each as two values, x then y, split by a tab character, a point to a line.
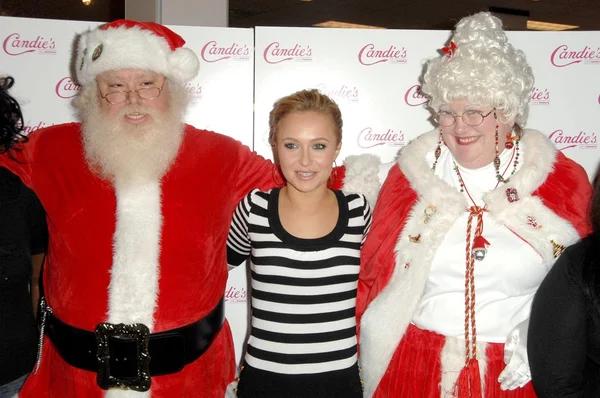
438	150
277	173
496	138
510	138
509	144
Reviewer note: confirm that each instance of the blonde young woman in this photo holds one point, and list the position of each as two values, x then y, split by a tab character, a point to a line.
303	241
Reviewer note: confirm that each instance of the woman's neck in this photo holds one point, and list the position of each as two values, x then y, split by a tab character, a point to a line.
305	200
308	215
480	165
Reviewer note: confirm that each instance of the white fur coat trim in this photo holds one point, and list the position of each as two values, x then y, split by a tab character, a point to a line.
126	394
453	361
102	50
387	317
133	289
362	176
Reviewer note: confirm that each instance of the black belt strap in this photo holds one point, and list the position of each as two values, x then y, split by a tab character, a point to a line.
168	351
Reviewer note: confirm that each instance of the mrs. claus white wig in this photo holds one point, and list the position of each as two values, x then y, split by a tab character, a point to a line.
480	66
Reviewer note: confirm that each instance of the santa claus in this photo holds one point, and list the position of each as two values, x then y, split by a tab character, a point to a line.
138	206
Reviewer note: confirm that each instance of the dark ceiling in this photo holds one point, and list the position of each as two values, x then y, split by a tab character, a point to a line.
98	10
407	14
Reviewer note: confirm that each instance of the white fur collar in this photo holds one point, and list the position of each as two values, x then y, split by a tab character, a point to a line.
537	163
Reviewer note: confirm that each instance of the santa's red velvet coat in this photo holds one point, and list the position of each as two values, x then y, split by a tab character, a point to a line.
552	189
152	252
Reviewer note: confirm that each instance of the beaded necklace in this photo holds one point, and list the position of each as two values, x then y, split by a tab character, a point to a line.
499	177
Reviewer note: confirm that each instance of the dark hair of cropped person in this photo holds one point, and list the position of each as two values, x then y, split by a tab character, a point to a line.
591	265
11	118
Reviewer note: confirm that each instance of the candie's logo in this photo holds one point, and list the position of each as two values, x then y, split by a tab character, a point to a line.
564	56
276	53
579	140
540	96
414	96
15	44
30	127
236	295
368	138
343	92
66	88
214	52
195	89
371	55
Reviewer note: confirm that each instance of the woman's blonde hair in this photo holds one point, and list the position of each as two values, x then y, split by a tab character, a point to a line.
304	101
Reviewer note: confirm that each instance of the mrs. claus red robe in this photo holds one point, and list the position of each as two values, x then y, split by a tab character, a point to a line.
152	253
552	189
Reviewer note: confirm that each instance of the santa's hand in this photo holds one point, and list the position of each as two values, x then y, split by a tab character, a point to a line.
231	390
516	373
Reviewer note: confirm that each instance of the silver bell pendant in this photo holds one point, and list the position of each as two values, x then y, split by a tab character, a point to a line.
480	245
479	254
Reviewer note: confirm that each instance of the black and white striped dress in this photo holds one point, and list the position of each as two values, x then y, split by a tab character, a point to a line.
303	337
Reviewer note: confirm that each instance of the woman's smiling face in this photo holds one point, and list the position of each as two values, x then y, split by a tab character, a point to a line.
473	146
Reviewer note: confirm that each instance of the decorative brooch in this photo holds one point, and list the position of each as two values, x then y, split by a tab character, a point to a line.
429	212
557	249
532	221
97	52
449	50
512	195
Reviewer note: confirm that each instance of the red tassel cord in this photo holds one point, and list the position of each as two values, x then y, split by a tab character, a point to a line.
468	384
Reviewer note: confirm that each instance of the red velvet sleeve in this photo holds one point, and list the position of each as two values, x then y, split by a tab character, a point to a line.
337	178
254	172
567	192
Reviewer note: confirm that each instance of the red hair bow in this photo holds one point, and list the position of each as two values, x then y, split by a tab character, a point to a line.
449	50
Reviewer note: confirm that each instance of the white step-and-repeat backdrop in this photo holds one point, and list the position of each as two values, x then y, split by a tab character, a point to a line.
372	74
374	77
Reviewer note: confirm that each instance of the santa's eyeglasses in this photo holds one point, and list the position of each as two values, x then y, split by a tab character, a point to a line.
146	93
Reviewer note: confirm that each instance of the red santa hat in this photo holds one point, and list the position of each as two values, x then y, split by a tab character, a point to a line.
126	44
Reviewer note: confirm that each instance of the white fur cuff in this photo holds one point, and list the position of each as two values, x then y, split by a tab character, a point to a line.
362	176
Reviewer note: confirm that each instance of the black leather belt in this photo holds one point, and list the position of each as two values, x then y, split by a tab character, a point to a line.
125	356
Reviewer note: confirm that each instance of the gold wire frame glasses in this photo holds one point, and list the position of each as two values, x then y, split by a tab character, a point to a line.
472	117
146	93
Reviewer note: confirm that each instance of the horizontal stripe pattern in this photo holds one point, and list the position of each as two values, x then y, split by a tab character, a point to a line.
303	290
303	368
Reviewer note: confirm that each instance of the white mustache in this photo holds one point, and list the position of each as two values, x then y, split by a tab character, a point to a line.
141	109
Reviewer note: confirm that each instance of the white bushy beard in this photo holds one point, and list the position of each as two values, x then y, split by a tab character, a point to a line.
126	152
